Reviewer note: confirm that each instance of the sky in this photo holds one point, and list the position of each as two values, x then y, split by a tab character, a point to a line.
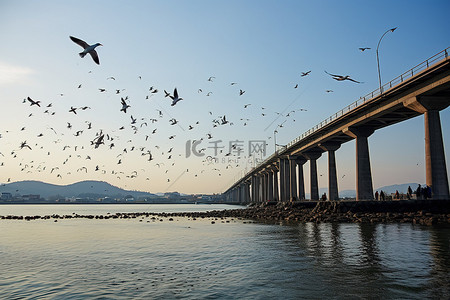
236	65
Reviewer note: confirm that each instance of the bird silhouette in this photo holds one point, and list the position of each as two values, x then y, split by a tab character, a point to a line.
305	73
125	106
342	78
87	49
175	97
33	102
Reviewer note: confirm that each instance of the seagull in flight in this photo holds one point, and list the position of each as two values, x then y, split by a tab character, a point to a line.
33	102
73	109
342	78
124	106
175	97
24	145
364	49
87	49
305	73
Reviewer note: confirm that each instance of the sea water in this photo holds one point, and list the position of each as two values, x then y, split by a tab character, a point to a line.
145	258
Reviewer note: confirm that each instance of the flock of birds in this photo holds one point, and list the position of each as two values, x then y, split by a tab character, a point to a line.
81	153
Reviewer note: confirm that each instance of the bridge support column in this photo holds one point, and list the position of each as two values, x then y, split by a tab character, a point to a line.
364	186
270	185
436	168
436	171
312	156
333	193
276	195
266	186
254	192
258	189
301	179
247	194
238	193
262	185
293	178
283	179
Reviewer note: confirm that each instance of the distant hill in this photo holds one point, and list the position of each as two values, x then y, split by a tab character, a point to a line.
80	189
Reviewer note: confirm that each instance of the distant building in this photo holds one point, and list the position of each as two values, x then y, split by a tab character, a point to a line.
31	197
6	196
173	195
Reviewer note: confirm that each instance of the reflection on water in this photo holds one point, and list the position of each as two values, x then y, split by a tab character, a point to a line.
144	258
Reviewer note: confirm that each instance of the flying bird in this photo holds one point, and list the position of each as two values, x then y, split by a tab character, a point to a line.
124	106
305	73
364	49
166	94
342	78
24	145
33	102
87	49
175	97
73	109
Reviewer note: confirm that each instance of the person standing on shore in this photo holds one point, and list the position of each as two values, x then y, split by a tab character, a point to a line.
376	195
418	194
382	195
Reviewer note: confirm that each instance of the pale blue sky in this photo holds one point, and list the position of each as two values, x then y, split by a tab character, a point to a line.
263	46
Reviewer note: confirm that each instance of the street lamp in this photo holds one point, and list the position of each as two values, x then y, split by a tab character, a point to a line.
378	60
275	138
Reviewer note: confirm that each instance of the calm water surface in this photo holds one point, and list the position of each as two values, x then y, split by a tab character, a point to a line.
231	259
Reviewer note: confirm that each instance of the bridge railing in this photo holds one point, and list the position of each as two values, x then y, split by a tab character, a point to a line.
368	97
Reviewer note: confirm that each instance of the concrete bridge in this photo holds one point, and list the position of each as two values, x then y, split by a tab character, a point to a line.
424	89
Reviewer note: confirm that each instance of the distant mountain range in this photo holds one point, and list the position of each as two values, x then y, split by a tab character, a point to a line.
92	189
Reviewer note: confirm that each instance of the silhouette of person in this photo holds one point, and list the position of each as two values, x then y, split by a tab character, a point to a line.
376	195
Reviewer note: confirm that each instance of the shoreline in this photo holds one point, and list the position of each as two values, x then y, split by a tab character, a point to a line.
423	212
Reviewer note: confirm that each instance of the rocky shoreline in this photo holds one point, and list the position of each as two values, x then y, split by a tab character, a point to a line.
423	212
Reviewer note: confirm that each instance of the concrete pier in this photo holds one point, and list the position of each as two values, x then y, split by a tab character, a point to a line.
293	178
281	165
333	193
276	194
301	179
436	168
364	186
312	156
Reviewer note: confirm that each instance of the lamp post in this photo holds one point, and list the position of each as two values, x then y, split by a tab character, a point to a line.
378	60
275	138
